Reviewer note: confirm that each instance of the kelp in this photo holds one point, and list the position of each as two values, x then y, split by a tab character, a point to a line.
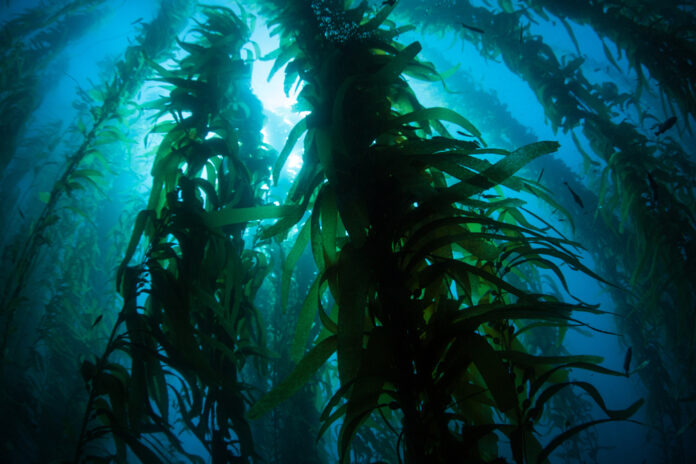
568	98
288	433
654	236
404	336
663	40
188	324
104	118
73	323
29	43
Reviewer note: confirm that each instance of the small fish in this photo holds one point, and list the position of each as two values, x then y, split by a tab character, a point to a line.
464	134
97	320
137	21
653	187
575	196
20	213
540	174
472	28
490	197
665	126
389	2
627	360
521	31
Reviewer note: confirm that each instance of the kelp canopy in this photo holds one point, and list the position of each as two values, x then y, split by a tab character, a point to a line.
387	271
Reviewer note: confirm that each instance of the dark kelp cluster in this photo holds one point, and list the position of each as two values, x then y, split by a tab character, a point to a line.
657	257
403	303
197	319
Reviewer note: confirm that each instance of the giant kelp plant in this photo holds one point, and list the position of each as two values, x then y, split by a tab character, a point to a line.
405	300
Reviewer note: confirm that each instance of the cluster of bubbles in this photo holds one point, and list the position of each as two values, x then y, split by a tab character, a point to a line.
336	25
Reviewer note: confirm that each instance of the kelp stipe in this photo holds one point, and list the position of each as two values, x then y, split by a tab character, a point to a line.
426	322
188	324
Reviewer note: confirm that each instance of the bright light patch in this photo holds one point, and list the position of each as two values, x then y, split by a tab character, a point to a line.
280	117
270	92
293	164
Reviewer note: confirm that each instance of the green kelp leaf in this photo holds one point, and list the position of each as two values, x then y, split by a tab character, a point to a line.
549	375
574	262
327	320
333	417
439	114
307	182
285	54
231	215
291	262
375	370
526	359
141	221
144	454
610	56
294	135
432	147
305	320
571	34
422	71
562	438
291	76
395	67
312	361
353	281
614	414
376	20
461	272
504	168
316	236
524	445
450	232
539	310
587	160
494	373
